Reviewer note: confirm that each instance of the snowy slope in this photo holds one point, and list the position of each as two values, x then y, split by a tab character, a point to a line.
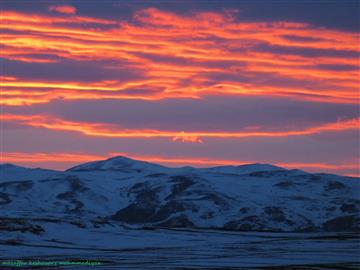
125	192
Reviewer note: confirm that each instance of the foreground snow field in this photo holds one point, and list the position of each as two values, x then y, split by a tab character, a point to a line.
120	248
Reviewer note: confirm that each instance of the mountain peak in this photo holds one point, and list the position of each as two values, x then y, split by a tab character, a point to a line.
13	167
10	166
121	159
11	172
246	168
116	163
260	167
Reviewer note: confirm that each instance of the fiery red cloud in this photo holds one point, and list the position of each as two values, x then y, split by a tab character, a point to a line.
66	9
179	57
114	131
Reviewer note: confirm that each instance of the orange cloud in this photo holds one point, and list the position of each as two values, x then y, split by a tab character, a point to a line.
19	157
114	131
179	56
66	9
57	160
18	92
184	137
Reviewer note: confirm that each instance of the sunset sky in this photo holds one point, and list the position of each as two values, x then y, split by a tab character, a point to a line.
199	83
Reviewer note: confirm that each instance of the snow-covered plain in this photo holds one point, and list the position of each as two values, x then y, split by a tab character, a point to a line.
120	248
120	210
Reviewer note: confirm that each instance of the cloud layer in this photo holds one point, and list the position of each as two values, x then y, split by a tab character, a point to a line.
177	56
210	85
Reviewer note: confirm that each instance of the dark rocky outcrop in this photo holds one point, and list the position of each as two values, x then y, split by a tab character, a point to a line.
350	223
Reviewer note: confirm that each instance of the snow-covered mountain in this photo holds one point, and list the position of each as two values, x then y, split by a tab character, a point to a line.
125	192
118	163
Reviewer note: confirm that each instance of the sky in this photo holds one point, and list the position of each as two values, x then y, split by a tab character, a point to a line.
181	83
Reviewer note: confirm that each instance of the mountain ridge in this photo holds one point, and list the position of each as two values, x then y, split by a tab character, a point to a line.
124	192
129	162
